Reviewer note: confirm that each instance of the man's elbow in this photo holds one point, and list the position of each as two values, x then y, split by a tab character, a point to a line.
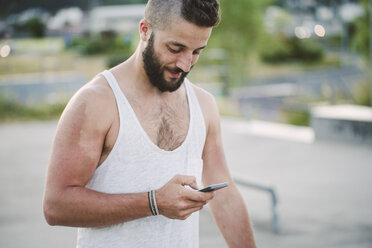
51	213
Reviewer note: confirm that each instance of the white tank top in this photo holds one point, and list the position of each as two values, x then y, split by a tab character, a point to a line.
135	165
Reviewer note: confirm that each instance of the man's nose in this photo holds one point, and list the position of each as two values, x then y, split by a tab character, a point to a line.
185	62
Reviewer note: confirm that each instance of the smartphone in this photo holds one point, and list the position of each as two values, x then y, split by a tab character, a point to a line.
214	187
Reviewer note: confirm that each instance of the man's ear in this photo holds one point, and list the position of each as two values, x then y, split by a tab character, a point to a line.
144	30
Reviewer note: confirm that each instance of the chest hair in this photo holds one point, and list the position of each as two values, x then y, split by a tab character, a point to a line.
172	127
166	124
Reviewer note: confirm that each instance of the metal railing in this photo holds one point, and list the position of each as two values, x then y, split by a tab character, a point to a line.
274	199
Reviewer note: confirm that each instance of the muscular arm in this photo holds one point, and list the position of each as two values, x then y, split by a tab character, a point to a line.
227	206
76	153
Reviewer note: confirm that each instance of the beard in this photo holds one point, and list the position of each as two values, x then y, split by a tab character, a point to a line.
155	70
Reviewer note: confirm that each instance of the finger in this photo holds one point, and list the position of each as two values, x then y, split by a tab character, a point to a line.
211	195
186	180
194	185
199	196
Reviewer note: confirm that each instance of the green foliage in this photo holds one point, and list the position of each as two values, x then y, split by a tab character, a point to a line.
307	50
90	46
36	27
117	2
281	49
108	44
360	32
115	60
241	25
362	93
239	33
334	40
11	111
275	49
298	118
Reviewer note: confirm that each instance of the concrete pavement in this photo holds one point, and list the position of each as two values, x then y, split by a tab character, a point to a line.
325	189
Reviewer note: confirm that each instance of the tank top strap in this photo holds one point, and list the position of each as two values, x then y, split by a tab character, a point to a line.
197	117
190	94
194	102
113	83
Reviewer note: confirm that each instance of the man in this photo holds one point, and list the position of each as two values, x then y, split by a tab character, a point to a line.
134	144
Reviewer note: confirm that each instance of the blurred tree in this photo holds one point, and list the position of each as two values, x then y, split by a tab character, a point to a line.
14	6
109	43
36	27
239	33
114	2
279	49
325	2
360	31
361	42
280	2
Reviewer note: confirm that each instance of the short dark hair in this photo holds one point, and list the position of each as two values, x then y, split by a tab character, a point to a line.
203	13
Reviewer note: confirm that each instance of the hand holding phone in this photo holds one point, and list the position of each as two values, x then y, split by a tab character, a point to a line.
214	187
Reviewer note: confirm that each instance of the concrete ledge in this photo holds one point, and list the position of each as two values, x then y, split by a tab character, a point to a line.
348	123
271	130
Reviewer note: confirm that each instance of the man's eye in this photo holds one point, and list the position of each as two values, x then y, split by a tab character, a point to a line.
172	50
196	52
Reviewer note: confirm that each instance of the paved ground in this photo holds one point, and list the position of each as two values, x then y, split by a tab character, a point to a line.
325	189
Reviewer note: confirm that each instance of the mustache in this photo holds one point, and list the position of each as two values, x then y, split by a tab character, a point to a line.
174	70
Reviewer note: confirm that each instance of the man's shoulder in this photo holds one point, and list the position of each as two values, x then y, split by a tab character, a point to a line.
96	92
95	101
96	87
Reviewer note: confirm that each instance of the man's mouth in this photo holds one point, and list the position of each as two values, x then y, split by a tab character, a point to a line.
175	73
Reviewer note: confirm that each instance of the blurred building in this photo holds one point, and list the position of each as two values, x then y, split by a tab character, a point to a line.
114	18
70	20
118	18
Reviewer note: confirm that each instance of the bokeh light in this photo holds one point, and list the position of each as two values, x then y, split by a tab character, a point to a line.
302	32
5	51
319	30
